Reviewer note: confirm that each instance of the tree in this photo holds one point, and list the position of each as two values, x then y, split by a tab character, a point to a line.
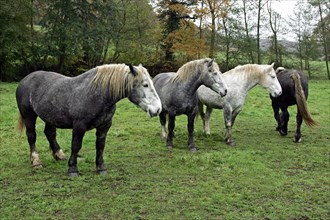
187	43
215	11
274	23
14	36
247	32
137	34
171	12
260	5
322	29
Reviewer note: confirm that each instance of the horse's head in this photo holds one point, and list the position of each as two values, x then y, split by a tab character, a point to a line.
143	92
211	77
270	81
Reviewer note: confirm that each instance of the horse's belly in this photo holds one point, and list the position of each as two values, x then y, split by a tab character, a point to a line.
57	120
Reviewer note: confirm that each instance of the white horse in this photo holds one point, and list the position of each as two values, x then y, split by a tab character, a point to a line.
239	81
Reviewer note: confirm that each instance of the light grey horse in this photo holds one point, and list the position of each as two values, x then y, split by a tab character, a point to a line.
81	103
239	81
177	92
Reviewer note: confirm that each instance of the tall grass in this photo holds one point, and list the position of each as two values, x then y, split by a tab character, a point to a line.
265	176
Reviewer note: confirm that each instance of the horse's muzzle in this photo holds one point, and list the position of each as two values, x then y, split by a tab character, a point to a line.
276	94
223	94
153	113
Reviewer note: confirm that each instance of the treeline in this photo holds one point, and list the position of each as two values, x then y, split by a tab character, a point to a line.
73	36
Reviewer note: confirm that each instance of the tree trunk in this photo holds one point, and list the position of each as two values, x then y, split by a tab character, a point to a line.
211	53
324	40
251	59
258	33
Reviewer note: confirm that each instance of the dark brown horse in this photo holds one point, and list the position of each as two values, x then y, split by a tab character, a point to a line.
294	92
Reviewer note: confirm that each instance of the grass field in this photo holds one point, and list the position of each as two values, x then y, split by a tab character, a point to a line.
265	176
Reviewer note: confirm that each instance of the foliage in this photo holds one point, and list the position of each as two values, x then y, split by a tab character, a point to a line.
73	36
265	176
14	36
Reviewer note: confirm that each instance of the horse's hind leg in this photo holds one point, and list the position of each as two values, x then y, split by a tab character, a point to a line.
284	119
30	123
227	112
299	119
206	120
50	133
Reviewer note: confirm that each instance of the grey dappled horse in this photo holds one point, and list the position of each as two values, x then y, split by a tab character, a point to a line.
82	103
239	81
177	92
295	92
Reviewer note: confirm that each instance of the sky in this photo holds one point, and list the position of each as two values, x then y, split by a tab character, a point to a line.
284	7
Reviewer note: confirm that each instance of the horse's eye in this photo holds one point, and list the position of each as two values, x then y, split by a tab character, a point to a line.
145	85
273	76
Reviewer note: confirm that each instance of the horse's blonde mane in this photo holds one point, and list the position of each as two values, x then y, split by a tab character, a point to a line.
251	70
115	79
190	69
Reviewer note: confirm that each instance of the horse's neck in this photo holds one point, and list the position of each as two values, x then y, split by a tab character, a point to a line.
191	85
244	82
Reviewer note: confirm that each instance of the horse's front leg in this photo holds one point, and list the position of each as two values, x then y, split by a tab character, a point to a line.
190	126
299	119
276	109
227	112
77	137
162	119
101	134
171	126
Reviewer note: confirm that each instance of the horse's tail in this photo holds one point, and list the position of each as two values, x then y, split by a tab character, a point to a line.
20	123
301	101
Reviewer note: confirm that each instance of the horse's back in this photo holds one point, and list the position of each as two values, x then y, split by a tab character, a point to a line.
162	78
40	80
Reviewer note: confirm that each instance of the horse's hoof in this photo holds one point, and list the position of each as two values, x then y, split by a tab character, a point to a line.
297	140
231	143
170	147
59	155
193	150
283	133
36	164
101	172
75	174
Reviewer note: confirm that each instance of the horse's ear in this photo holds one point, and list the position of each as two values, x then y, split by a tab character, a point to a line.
210	63
140	65
133	71
271	66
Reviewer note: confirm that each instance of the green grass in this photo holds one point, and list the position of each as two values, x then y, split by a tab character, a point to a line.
265	176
